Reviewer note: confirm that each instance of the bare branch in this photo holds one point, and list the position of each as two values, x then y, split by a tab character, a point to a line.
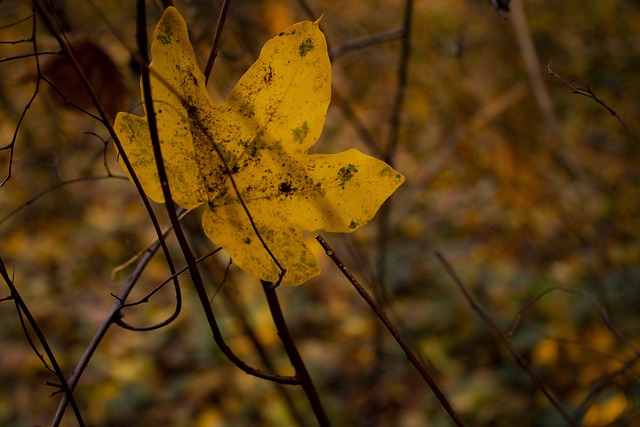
586	91
522	362
387	323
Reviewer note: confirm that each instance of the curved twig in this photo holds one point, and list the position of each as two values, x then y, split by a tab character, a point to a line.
146	298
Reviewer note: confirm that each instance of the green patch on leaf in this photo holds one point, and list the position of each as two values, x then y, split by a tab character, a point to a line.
165	36
300	133
305	47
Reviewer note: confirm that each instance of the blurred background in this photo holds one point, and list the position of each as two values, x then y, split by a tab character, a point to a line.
531	192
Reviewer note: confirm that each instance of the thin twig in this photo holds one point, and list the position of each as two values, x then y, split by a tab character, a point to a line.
559	151
366	41
110	318
147	297
588	92
115	272
22	308
239	311
532	64
387	323
601	311
389	151
604	382
401	84
364	134
213	53
522	362
23	114
294	355
48	190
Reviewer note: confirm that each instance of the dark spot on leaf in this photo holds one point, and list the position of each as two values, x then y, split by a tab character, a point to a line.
353	225
346	173
268	77
305	47
286	187
247	240
193	78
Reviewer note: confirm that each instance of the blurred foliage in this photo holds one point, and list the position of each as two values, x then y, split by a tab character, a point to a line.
519	199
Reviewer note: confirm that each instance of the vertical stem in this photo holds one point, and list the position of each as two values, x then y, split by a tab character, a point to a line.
294	355
213	54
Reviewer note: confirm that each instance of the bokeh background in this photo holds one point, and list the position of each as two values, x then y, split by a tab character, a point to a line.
531	192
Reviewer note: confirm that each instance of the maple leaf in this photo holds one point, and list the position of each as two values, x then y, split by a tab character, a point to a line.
247	159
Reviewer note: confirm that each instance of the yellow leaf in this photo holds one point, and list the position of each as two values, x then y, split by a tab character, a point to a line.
252	150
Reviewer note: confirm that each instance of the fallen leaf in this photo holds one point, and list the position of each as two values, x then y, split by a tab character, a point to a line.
247	159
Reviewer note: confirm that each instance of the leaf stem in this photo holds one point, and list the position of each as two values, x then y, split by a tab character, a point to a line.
293	353
387	323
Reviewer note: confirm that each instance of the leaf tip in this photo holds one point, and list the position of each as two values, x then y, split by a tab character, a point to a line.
317	21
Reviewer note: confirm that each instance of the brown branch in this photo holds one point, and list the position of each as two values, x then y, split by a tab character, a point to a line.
213	53
588	92
366	41
401	85
521	361
389	152
602	384
396	335
294	355
21	306
605	381
239	310
602	312
47	190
